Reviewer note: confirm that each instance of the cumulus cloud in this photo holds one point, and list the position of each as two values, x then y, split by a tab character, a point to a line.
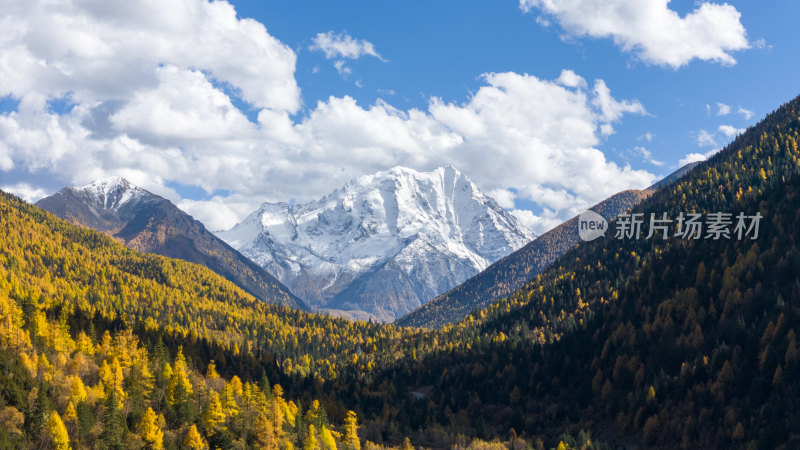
184	106
503	197
25	191
160	111
651	30
98	51
723	109
342	45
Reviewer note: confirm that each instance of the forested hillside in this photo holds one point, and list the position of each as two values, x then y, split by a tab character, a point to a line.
653	342
676	342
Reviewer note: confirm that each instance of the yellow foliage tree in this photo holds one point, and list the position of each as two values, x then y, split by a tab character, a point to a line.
150	432
57	432
351	431
326	439
214	416
193	440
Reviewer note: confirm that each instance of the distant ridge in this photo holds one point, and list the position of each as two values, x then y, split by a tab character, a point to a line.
152	224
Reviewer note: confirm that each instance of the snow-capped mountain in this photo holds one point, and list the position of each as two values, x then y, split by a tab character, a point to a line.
149	223
383	244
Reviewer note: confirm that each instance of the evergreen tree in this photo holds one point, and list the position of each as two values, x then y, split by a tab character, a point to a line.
113	423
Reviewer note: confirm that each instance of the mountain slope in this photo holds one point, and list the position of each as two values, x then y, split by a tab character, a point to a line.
657	343
383	244
152	224
509	274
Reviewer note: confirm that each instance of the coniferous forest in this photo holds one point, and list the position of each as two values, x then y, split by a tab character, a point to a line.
664	342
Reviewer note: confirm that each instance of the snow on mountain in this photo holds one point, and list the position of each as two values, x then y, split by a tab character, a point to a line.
112	192
382	244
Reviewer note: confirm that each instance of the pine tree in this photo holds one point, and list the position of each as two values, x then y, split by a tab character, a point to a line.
41	411
300	425
179	389
112	423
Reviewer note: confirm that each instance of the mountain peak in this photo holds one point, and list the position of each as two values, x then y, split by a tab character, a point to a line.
414	233
111	192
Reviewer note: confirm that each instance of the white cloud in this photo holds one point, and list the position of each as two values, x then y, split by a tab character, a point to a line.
503	197
184	106
723	109
647	156
158	110
342	45
341	68
746	113
709	139
651	30
705	139
220	213
762	44
25	191
690	158
545	221
99	51
696	157
610	108
569	78
730	131
542	21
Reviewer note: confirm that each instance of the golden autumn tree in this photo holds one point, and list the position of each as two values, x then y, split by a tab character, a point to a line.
150	432
57	432
193	440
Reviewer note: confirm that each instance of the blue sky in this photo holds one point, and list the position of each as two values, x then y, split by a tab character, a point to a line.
227	115
441	48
